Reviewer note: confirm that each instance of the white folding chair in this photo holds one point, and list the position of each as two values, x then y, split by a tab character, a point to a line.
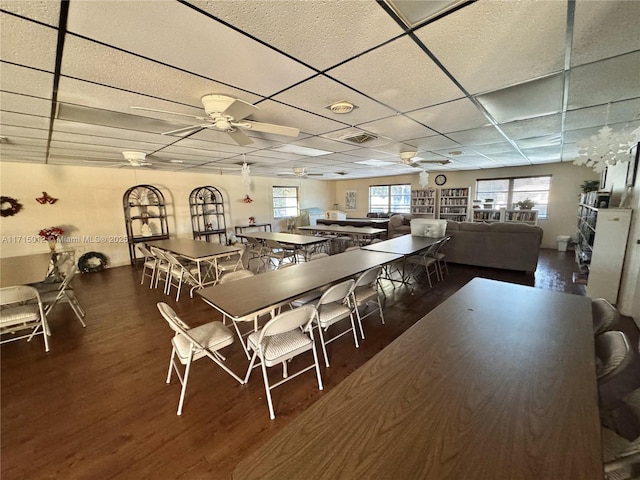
191	344
365	290
21	309
333	306
314	294
285	336
180	274
162	267
426	260
233	262
63	294
278	253
256	251
149	263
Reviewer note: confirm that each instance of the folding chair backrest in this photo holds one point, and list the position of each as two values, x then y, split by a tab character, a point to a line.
368	277
237	275
144	251
159	254
18	294
273	244
318	255
289	320
172	319
336	293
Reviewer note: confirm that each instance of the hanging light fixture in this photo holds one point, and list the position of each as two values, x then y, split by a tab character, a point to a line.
424	178
607	148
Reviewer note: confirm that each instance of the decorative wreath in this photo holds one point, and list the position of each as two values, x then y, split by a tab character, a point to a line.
13	208
92	262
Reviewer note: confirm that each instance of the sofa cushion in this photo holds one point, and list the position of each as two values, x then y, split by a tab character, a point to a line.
396	221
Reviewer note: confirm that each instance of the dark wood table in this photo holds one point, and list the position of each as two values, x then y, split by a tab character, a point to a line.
204	254
345	230
404	245
262	293
498	382
241	228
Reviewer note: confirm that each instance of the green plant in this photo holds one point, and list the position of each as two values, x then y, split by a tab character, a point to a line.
526	204
590	186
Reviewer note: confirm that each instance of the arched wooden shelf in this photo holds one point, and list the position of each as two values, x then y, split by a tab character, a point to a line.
145	216
206	206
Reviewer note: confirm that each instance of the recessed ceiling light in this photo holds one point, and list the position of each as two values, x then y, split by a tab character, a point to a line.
176	161
297	149
375	163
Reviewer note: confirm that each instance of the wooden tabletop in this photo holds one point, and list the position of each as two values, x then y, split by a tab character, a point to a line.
283	237
404	245
346	229
193	249
498	382
250	295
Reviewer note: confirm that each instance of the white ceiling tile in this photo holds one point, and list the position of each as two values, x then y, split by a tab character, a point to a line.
89	140
493	148
492	44
451	116
43	11
604	29
547	154
399	128
399	75
26	81
616	112
319	92
21	120
477	136
25	132
605	81
536	98
175	34
435	142
546	125
27	43
11	102
322	46
274	112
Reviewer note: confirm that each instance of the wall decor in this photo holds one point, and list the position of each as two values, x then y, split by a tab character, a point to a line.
46	198
632	169
9	206
92	262
350	199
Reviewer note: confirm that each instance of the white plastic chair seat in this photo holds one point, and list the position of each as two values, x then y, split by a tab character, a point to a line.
212	336
331	313
279	348
18	315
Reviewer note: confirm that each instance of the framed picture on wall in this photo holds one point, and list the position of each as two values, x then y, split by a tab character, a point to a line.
632	169
350	198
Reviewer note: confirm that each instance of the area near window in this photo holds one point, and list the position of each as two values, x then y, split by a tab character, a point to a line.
506	192
285	202
390	198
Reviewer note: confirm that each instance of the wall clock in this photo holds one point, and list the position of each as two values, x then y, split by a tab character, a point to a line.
441	179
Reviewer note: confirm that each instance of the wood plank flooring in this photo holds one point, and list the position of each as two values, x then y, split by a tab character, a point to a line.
97	405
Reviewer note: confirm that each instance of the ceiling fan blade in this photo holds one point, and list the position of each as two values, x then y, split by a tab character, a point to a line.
240	109
170	113
270	128
239	137
186	129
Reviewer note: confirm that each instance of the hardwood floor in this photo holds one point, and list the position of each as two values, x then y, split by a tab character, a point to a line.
97	405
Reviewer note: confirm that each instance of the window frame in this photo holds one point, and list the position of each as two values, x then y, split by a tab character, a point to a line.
510	191
390	208
274	197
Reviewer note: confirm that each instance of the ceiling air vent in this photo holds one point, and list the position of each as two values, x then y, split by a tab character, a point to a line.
359	137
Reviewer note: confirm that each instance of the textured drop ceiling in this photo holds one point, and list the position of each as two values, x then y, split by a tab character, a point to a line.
484	84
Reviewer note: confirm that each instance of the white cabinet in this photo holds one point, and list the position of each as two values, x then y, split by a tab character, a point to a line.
602	239
423	203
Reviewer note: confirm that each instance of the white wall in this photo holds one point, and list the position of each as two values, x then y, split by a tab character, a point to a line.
563	200
90	204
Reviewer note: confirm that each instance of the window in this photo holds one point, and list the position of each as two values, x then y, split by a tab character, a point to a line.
285	202
506	192
390	198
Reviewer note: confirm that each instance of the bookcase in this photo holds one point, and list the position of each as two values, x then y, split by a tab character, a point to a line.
601	241
487	215
521	216
454	204
423	203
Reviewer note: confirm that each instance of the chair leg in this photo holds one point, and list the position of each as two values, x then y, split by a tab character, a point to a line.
267	390
353	327
171	364
324	347
184	382
251	364
317	363
244	346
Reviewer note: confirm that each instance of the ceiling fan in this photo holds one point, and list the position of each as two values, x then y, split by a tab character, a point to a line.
411	159
227	114
301	172
132	159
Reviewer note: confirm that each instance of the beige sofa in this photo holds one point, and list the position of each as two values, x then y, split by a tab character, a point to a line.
511	246
399	224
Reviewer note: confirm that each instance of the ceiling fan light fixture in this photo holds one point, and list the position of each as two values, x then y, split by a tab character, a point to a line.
134	156
341	107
